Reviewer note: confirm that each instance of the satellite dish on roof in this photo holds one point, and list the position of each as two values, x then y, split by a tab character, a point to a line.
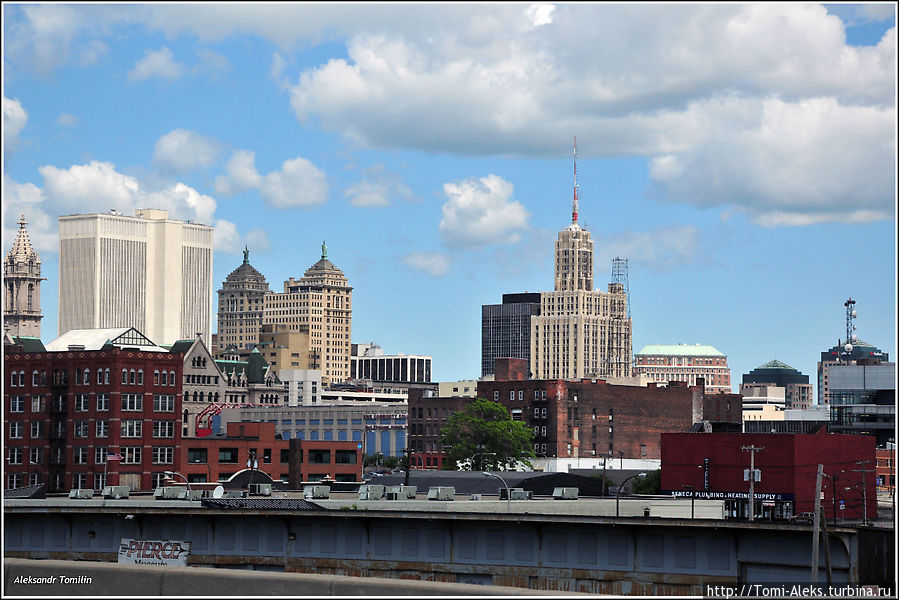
854	314
848	347
218	492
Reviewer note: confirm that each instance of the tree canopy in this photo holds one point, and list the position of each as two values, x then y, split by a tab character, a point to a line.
483	436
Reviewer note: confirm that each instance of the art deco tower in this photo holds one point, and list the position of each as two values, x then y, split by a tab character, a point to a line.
22	278
580	332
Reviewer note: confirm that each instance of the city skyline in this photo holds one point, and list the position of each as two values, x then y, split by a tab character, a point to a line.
750	184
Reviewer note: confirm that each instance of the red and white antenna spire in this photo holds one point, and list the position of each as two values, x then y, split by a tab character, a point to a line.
574	201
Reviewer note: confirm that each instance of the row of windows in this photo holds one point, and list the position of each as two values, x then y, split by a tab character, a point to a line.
161	455
81	429
538	395
83	377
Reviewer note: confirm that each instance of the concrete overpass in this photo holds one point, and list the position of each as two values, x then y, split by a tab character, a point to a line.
574	546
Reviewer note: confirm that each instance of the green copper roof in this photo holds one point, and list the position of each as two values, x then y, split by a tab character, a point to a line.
30	344
679	350
776	364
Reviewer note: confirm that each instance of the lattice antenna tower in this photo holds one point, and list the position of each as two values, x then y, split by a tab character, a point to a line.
619	275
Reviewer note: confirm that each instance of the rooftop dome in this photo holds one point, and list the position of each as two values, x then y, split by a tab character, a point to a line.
246	271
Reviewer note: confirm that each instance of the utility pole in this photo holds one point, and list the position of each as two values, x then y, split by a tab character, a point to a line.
816	537
752	450
408	452
864	487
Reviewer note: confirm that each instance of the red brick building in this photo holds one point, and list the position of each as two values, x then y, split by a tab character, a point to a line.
885	469
584	418
714	463
590	418
65	411
216	458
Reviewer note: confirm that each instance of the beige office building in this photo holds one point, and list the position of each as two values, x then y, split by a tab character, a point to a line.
320	304
580	332
240	308
662	363
148	272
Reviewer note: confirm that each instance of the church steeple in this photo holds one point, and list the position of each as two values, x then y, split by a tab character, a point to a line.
22	278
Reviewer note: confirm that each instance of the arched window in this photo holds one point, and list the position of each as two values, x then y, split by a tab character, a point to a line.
140	377
156	377
196	396
165	378
77	376
202	398
30	296
14	379
35	378
171	378
133	377
124	376
43	378
87	376
216	397
106	377
99	376
185	415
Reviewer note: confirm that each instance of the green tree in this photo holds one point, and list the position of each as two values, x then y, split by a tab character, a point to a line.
484	437
651	484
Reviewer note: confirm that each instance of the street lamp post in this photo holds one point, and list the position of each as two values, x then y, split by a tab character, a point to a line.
621	459
208	469
472	466
508	494
618	492
171	473
252	464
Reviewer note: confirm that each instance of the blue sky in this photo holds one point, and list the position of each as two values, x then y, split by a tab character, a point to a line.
741	157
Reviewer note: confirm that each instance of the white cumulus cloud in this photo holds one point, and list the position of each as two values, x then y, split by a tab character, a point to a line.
480	212
298	183
241	174
225	237
14	120
658	249
94	187
98	187
180	151
157	63
434	264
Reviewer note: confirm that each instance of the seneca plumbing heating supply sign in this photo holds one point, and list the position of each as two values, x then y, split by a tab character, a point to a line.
154	552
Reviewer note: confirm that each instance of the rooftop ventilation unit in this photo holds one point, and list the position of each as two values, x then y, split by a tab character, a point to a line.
312	492
260	489
81	494
169	492
116	491
565	493
515	494
441	493
371	492
401	492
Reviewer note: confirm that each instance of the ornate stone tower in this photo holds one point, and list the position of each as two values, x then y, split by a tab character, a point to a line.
22	278
240	308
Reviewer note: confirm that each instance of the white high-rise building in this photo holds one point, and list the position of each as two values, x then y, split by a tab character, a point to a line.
148	272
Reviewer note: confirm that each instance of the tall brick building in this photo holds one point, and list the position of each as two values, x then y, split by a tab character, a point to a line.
66	410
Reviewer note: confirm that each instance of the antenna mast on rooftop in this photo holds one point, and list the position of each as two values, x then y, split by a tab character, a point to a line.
574	201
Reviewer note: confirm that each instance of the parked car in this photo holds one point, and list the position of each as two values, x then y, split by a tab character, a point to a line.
805	517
